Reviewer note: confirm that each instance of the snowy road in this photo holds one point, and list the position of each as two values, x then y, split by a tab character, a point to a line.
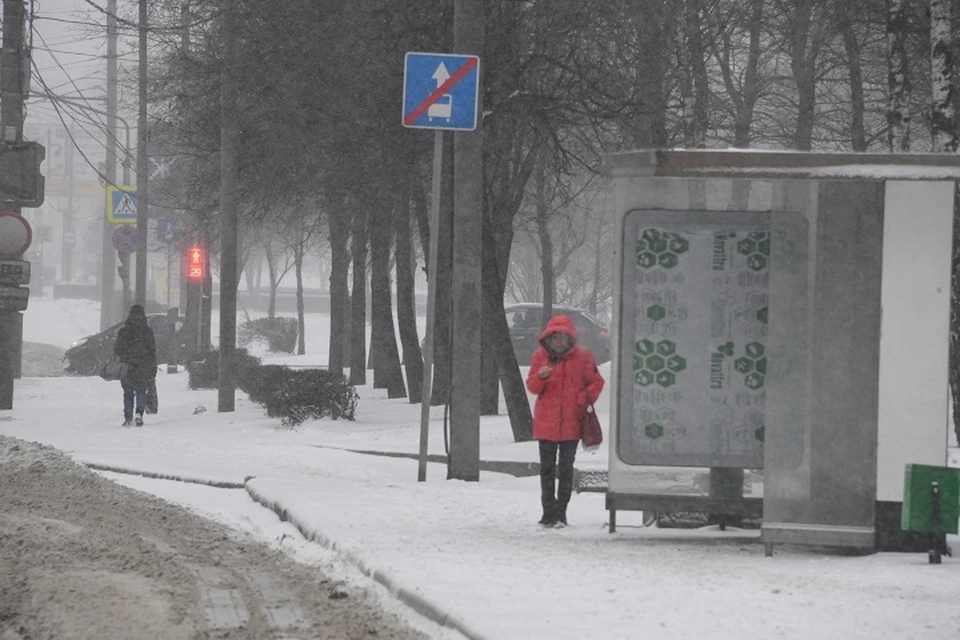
84	557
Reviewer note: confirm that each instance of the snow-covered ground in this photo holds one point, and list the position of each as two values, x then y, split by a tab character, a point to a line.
470	550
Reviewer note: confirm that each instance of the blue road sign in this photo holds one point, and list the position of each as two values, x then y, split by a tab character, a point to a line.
121	204
166	230
125	239
440	91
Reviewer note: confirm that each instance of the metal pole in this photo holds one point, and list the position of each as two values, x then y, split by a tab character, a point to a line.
169	280
464	463
108	263
431	303
143	170
229	203
11	133
67	241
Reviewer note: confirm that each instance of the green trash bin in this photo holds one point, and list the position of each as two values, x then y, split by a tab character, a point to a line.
917	498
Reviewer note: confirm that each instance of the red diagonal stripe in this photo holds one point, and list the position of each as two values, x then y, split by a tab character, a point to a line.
442	89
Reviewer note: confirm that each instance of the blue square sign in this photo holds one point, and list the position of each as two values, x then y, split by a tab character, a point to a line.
440	91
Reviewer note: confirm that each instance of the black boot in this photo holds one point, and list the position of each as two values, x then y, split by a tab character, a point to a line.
548	482
548	519
568	451
560	515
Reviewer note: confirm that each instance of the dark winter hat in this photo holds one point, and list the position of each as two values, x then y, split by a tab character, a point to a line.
137	310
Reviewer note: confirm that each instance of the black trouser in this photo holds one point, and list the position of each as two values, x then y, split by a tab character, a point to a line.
555	488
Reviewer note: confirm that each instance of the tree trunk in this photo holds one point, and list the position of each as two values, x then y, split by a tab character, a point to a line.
339	289
942	122
542	205
407	304
697	70
442	356
301	311
274	283
803	63
745	96
387	373
898	79
358	299
858	136
422	213
652	24
751	82
514	389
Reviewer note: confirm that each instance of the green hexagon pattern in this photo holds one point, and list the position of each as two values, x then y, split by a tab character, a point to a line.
661	248
644	347
655	363
643	378
746	246
666	348
653	431
666	378
676	363
656	312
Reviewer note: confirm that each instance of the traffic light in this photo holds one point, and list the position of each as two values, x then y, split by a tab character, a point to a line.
195	263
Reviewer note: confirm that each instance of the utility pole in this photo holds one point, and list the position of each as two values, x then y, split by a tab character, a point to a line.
67	241
464	462
11	126
229	203
108	263
143	170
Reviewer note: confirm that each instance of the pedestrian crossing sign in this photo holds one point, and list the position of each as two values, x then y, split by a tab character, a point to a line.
121	204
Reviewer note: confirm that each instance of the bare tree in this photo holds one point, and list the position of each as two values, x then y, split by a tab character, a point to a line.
898	115
845	12
339	235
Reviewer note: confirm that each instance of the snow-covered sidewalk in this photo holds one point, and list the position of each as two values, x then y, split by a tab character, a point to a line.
472	551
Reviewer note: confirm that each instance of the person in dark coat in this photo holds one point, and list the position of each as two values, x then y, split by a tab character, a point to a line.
137	347
564	377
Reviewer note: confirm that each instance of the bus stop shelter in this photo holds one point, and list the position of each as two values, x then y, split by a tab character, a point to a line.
785	314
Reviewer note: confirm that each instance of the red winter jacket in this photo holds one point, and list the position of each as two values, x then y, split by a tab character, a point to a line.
562	398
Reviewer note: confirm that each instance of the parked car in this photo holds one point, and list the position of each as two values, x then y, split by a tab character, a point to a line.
526	324
87	355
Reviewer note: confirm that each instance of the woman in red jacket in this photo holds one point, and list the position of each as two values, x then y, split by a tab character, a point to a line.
564	377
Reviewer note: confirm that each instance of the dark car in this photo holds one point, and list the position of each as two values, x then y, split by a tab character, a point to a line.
87	355
526	324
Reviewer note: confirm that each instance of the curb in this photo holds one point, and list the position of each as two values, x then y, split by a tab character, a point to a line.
410	598
164	476
518	469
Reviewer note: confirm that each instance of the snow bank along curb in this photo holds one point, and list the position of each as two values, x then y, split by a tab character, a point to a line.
410	598
220	484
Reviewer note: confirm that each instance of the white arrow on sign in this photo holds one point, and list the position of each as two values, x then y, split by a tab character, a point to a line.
441	75
442	108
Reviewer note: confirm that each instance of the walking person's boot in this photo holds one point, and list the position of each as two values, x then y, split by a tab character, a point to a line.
564	482
548	483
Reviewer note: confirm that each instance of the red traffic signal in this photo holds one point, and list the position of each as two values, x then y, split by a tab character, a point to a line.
195	263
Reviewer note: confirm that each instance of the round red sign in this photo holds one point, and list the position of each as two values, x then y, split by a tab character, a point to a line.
15	235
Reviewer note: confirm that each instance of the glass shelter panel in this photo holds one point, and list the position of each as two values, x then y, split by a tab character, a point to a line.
748	337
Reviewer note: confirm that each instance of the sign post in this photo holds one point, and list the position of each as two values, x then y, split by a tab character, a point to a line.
15	238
